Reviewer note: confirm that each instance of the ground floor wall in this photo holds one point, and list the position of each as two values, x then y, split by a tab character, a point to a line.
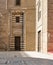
30	30
50	26
10	30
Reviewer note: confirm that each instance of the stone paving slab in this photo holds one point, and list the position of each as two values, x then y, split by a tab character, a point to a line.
20	58
25	61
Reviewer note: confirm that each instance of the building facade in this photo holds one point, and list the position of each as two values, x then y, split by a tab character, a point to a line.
17	25
44	26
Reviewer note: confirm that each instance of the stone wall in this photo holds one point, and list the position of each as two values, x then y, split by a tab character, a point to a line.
41	26
50	25
9	25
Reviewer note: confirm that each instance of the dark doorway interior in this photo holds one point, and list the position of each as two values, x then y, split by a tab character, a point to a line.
39	41
17	43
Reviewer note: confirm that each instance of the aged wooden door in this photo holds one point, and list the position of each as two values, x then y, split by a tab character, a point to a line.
17	43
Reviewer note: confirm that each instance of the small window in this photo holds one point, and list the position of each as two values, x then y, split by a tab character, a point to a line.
17	19
39	15
39	10
17	2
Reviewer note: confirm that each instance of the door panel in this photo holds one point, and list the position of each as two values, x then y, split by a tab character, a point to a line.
17	43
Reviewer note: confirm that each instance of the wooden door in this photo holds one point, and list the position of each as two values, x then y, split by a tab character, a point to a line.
17	43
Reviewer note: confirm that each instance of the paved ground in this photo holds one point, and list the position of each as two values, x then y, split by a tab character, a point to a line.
16	58
25	61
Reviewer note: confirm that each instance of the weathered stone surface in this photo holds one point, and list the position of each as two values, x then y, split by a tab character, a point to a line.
9	28
50	25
